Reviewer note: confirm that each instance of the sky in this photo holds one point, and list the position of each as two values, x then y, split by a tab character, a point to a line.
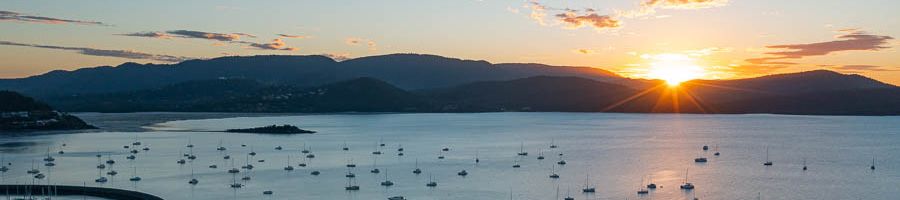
708	39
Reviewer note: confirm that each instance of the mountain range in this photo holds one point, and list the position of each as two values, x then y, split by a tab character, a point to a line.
428	83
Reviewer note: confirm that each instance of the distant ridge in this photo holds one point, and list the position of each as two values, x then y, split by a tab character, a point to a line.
858	96
407	71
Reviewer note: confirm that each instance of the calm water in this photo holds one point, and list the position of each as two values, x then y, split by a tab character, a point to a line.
617	150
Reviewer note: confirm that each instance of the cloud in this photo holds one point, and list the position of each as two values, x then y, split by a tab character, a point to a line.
537	12
292	36
276	44
160	35
852	41
358	41
848	42
19	17
599	22
130	54
584	51
856	68
227	37
683	4
246	35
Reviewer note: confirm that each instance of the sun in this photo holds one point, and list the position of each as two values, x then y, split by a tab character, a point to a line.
673	68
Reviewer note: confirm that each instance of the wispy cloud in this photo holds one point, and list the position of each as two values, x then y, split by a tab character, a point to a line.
160	35
221	39
225	37
276	44
683	4
584	51
359	41
206	35
872	68
599	22
538	12
130	54
20	17
292	36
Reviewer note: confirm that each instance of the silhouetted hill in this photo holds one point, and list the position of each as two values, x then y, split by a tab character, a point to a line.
22	113
242	95
408	71
782	84
541	93
417	71
882	101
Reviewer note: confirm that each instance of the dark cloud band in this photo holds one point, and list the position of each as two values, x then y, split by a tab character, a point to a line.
19	17
104	52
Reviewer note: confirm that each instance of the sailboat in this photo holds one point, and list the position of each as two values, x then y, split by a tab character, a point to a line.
568	195
641	189
476	157
686	185
305	149
552	143
516	165
553	174
717	150
233	170
650	183
289	167
221	148
350	174
873	162
587	185
386	182
109	160
234	183
100	164
700	159
768	162
431	183
375	169
193	180
345	147
417	171
3	162
804	164
350	186
540	154
49	158
33	169
134	176
522	150
377	152
302	164
350	163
